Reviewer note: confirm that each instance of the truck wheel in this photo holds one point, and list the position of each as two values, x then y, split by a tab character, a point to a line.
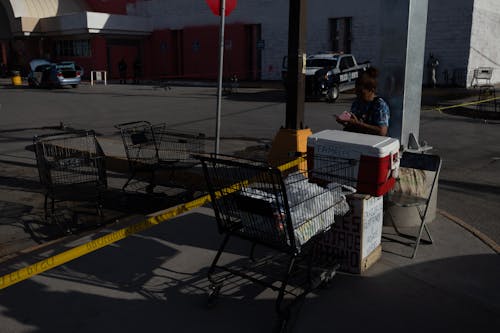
333	94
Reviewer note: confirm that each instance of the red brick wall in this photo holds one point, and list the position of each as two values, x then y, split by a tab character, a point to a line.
109	6
162	55
191	53
116	52
201	52
97	61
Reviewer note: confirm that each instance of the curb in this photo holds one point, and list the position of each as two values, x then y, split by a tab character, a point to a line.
485	239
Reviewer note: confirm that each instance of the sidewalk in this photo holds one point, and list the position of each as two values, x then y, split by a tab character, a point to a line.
159	276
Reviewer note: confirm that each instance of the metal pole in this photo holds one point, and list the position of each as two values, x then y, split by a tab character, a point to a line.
295	84
221	70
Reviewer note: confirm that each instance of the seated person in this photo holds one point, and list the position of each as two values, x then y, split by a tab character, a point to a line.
369	113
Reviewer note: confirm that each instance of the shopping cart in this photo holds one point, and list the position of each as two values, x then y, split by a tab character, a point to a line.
71	166
285	209
153	148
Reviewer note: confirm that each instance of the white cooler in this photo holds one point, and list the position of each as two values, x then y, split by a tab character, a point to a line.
378	157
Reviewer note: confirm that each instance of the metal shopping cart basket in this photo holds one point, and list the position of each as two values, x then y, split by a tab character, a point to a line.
153	148
285	209
71	166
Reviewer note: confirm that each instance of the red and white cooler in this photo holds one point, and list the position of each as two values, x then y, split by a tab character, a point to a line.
378	157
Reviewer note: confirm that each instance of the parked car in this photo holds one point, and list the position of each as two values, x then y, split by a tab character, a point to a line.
328	74
80	69
46	74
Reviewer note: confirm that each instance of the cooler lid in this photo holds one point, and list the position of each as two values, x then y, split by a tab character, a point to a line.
372	145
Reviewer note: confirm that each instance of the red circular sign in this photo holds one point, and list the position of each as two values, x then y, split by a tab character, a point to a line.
215	6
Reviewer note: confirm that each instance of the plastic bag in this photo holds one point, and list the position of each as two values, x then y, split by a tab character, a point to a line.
411	182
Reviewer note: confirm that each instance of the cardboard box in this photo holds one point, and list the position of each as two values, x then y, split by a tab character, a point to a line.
355	239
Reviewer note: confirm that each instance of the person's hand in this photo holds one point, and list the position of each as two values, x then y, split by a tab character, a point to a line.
343	117
352	121
348	119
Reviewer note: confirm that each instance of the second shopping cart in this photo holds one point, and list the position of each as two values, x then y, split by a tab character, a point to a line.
152	148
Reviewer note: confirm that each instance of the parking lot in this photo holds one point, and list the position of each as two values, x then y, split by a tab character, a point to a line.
250	118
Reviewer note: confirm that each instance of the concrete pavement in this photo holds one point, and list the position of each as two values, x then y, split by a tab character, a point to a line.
156	281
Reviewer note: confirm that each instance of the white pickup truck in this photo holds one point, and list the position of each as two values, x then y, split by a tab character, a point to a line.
328	74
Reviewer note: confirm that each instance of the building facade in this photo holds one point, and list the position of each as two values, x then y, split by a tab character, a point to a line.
179	39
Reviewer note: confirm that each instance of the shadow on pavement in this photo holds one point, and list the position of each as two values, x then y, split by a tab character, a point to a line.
468	187
435	96
404	300
158	283
473	113
260	96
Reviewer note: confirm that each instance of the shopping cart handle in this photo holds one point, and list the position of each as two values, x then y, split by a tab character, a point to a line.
120	126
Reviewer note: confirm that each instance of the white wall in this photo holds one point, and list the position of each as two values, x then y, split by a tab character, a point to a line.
273	17
365	26
448	36
463	34
485	38
271	14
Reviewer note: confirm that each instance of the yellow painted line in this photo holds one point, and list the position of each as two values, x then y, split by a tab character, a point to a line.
96	244
485	239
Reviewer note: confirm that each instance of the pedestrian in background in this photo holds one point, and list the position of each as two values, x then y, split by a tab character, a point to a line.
3	70
137	70
433	65
122	69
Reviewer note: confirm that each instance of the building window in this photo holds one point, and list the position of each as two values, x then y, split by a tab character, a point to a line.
340	34
73	48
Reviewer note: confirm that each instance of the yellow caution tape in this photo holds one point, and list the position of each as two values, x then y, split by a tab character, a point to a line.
466	104
292	164
76	252
94	245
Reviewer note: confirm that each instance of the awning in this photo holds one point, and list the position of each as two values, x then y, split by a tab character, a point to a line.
83	23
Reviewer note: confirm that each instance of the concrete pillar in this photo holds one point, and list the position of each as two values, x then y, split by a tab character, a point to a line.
403	28
402	35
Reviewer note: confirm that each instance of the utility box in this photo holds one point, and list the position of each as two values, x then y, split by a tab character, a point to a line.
355	239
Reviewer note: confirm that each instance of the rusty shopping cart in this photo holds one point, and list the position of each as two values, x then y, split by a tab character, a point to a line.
152	149
285	209
71	166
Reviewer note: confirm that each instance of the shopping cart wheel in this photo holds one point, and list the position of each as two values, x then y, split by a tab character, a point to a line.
150	188
213	294
189	195
327	276
282	324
